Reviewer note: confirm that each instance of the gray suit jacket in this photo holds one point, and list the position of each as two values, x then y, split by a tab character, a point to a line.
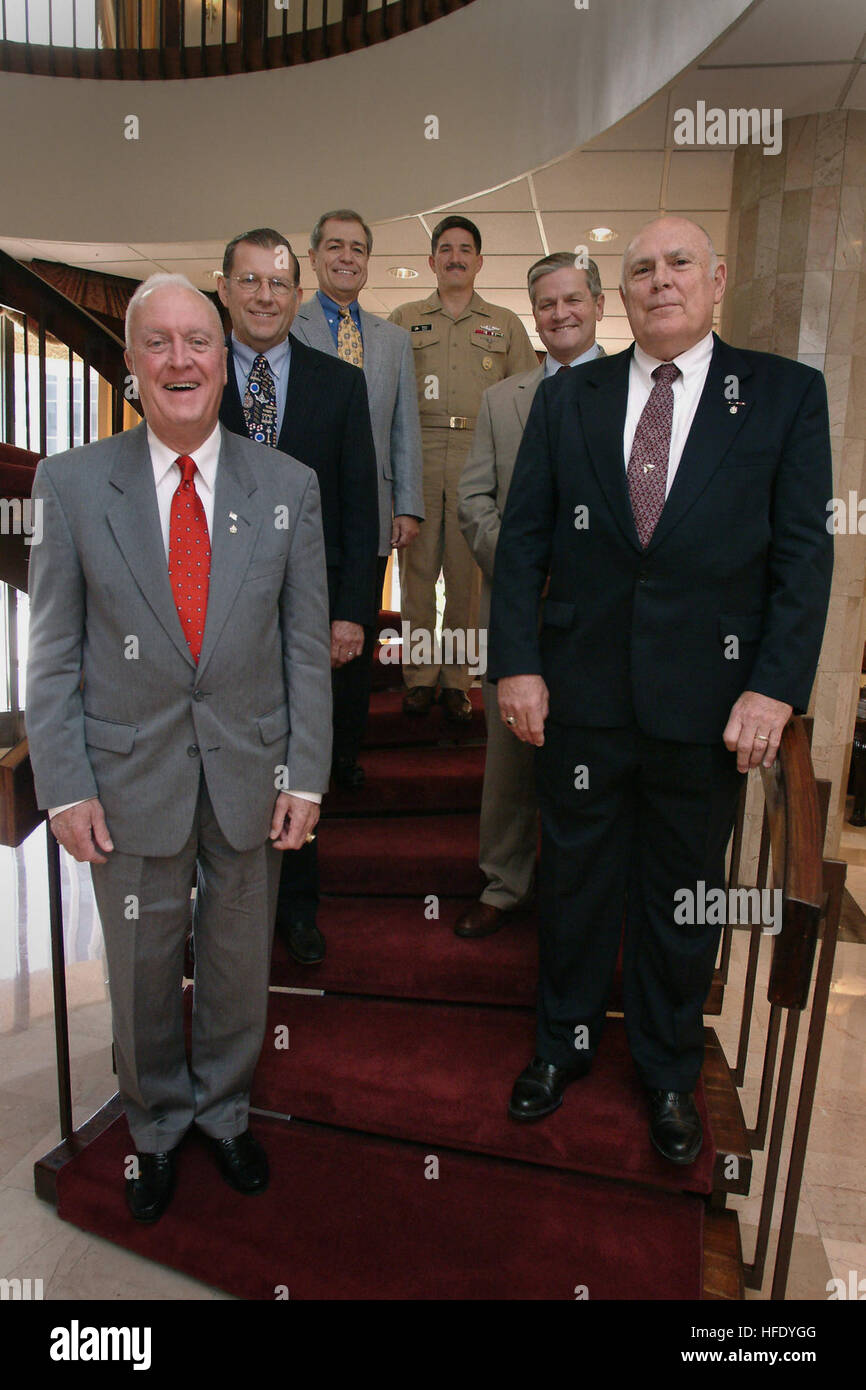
393	408
486	478
116	706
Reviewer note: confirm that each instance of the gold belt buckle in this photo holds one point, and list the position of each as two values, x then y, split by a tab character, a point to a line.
458	422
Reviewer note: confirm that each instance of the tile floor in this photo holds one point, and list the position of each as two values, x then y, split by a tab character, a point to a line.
830	1236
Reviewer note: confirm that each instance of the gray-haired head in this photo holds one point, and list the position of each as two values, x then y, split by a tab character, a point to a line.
560	260
339	215
161	280
671	217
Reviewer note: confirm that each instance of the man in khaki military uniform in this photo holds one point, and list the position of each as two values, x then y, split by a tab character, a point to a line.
461	345
568	304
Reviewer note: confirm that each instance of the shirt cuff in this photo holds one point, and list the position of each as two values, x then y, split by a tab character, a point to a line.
308	796
55	810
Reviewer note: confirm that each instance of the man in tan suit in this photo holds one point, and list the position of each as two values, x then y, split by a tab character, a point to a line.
567	303
461	344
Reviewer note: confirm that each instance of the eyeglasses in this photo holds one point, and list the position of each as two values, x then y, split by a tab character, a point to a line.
251	284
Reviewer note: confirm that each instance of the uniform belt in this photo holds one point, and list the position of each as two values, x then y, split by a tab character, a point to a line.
448	422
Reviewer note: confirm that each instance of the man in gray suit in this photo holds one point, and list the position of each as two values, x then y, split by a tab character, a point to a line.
334	322
178	712
567	302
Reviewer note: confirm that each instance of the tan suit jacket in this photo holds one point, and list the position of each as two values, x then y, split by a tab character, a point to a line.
485	480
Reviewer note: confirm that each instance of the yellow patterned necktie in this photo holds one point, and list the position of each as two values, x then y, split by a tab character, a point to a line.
349	344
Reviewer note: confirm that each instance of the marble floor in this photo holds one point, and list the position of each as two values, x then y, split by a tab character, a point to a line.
830	1239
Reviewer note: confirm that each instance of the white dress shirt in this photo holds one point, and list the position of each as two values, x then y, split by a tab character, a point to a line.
694	365
551	366
167	477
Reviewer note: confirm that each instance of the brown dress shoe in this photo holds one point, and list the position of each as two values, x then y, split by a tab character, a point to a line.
456	705
419	700
481	919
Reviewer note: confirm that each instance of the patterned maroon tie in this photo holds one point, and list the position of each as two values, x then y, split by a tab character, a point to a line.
648	466
189	556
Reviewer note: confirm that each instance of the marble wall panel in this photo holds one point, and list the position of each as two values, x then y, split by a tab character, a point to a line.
843	311
823	228
830	147
815	310
858	344
767	234
794	230
854	168
799	145
788	306
852	226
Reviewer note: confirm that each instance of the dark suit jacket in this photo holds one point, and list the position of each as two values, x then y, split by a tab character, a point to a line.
326	425
741	550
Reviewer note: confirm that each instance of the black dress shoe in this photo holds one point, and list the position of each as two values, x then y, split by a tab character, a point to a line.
538	1090
675	1125
457	706
304	942
148	1195
242	1162
419	700
346	772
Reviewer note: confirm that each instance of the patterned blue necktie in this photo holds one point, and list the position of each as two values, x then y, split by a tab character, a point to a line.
260	404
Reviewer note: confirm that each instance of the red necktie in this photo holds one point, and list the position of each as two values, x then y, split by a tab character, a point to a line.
189	556
648	466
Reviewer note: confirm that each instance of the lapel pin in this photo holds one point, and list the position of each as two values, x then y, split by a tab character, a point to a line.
233	516
735	406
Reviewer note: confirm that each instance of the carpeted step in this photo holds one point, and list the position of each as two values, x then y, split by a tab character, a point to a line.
412	780
347	1216
388	726
388	946
395	947
442	1074
382	857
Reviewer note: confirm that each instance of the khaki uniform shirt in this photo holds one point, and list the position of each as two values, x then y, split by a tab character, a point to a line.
457	359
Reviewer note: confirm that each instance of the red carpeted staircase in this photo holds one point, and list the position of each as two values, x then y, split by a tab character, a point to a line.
396	1171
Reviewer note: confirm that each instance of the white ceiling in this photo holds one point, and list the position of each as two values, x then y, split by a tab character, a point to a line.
792	54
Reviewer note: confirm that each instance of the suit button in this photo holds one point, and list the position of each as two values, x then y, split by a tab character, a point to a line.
643	578
192	751
198	695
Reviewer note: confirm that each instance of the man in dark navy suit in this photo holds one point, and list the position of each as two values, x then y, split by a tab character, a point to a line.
313	407
676	495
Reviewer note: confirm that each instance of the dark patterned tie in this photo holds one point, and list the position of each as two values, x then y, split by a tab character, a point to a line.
260	404
189	556
648	466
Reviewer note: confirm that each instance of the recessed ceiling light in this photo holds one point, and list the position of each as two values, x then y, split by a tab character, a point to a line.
602	234
402	272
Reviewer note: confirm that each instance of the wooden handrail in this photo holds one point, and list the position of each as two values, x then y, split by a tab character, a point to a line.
794	819
347	27
25	291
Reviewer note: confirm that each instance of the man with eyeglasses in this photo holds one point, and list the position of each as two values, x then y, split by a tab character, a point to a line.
314	407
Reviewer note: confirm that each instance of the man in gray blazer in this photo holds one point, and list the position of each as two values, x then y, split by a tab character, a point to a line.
178	712
334	322
567	302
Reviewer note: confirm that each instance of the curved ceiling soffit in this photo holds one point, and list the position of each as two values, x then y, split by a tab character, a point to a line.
513	85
